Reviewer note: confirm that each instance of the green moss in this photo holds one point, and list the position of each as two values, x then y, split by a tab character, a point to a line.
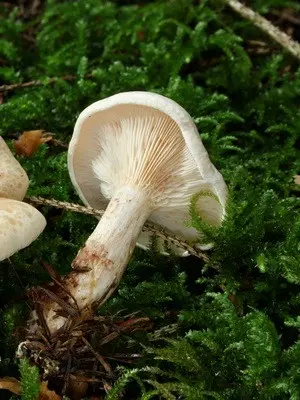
237	327
30	380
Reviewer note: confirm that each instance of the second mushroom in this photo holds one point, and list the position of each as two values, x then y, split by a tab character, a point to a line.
20	223
140	156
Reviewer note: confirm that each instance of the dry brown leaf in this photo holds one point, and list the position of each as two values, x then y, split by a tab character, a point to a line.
297	179
77	389
14	386
46	394
29	142
11	384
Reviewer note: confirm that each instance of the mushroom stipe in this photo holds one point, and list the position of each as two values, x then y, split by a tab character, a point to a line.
139	156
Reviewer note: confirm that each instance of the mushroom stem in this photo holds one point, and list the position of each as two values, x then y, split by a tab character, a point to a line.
100	264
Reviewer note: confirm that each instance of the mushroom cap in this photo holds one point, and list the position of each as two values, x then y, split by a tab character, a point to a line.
20	225
147	140
13	179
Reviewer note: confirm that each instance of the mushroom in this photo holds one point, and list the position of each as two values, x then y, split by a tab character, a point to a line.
13	179
20	223
141	154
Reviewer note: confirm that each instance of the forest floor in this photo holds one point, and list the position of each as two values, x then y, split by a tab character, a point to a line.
222	326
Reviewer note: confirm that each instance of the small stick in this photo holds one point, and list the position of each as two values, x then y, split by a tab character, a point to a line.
98	213
38	82
64	205
59	143
272	31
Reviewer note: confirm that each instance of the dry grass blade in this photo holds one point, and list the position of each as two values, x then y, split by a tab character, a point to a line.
105	365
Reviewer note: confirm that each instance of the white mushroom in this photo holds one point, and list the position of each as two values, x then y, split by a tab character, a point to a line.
13	179
20	225
142	154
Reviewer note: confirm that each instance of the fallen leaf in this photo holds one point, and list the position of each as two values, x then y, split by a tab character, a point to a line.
14	386
29	142
46	394
297	179
77	389
11	384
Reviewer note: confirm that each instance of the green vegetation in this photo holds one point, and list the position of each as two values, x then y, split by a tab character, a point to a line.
237	332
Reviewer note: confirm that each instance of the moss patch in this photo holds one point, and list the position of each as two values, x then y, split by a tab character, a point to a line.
236	328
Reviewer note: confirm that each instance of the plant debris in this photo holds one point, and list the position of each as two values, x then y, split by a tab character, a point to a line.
11	384
15	386
297	179
81	355
29	142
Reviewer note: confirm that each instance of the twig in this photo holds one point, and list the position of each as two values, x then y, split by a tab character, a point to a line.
7	88
98	213
64	205
285	15
276	34
14	86
59	143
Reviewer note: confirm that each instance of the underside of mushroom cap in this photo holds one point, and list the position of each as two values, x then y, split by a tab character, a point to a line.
13	179
148	141
20	225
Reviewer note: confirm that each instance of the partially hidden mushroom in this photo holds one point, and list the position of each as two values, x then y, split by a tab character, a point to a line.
13	179
20	223
138	154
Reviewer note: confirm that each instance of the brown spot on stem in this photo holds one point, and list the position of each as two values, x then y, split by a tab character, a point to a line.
87	258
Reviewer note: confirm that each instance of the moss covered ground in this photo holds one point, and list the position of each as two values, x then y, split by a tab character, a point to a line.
225	333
